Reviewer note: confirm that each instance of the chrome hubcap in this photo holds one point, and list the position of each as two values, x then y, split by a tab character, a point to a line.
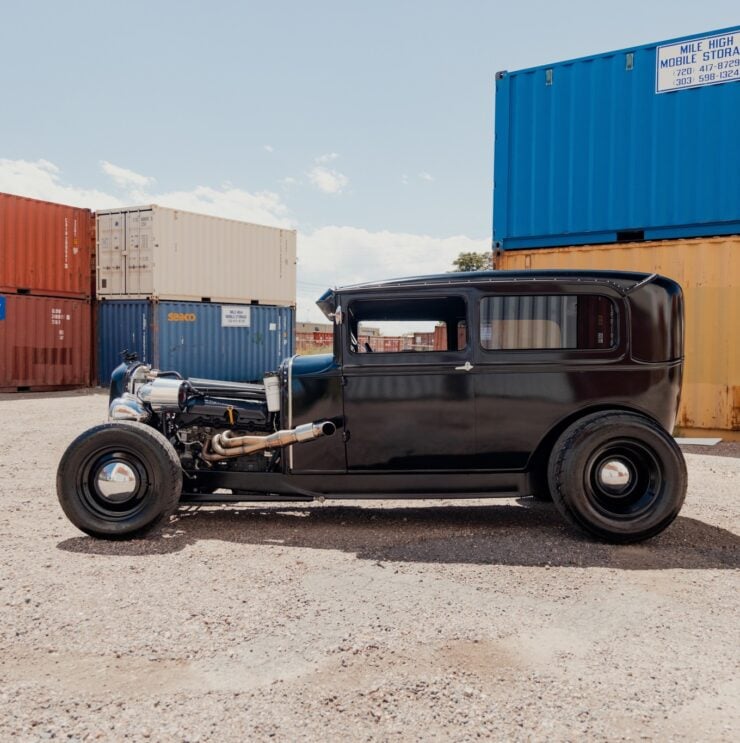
116	481
615	475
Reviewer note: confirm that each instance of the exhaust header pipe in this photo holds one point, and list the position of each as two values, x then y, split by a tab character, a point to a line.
225	445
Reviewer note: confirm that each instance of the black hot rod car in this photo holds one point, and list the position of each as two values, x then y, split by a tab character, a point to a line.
562	385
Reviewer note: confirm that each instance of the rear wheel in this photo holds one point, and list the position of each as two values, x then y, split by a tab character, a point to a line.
119	479
618	476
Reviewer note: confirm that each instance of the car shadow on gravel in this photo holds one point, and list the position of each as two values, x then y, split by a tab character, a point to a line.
529	534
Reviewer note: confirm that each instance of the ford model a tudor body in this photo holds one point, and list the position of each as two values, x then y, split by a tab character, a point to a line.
562	385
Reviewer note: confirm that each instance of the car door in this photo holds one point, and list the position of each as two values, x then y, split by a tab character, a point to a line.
408	397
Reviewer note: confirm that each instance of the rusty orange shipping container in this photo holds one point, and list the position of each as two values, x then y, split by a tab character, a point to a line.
708	269
44	343
313	342
387	344
45	248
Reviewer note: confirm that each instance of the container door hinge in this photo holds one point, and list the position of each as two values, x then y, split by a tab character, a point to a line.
343	381
345	435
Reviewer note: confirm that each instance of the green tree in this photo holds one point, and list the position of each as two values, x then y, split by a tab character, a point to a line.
473	262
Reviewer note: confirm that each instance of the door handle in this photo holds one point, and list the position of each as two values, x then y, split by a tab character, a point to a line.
467	366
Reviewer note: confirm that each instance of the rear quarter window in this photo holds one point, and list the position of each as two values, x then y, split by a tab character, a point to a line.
549	321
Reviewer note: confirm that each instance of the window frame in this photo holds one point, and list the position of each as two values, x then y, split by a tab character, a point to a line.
406	358
553	354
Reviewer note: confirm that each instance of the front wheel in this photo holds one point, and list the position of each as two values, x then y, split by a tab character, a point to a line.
118	479
618	476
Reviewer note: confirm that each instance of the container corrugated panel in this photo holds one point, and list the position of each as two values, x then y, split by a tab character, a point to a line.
45	248
122	325
154	252
708	269
216	341
588	150
44	342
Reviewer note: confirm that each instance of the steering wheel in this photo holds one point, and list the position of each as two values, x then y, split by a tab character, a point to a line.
368	349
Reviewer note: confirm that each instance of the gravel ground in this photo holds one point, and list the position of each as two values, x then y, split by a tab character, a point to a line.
723	449
413	621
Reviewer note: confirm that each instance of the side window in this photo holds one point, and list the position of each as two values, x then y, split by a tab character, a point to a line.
557	321
408	325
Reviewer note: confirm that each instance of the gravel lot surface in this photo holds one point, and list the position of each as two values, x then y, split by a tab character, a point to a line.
723	449
392	621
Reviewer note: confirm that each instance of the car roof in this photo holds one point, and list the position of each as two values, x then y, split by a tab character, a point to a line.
467	278
621	281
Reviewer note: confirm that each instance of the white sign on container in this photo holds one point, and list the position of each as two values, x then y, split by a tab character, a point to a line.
697	62
234	316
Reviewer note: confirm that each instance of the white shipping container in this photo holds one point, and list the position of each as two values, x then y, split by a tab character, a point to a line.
155	252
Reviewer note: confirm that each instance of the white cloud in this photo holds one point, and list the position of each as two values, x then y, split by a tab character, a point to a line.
336	256
268	148
327	158
262	207
125	178
426	176
328	180
42	180
404	179
328	256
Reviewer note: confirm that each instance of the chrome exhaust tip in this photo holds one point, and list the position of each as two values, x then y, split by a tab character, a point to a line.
226	445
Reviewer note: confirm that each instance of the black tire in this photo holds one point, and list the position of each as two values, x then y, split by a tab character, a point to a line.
618	476
151	480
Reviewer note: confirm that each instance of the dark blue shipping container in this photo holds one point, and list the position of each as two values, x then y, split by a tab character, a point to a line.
636	144
215	341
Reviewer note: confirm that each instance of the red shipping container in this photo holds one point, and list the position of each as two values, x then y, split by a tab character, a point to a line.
44	343
45	248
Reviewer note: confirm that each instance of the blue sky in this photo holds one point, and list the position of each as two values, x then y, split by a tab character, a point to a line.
367	126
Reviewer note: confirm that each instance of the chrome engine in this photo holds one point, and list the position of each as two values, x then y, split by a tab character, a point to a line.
210	423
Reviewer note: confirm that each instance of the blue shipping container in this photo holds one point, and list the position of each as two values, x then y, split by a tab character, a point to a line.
216	341
636	144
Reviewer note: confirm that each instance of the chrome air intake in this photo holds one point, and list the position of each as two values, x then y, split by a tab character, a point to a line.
164	393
